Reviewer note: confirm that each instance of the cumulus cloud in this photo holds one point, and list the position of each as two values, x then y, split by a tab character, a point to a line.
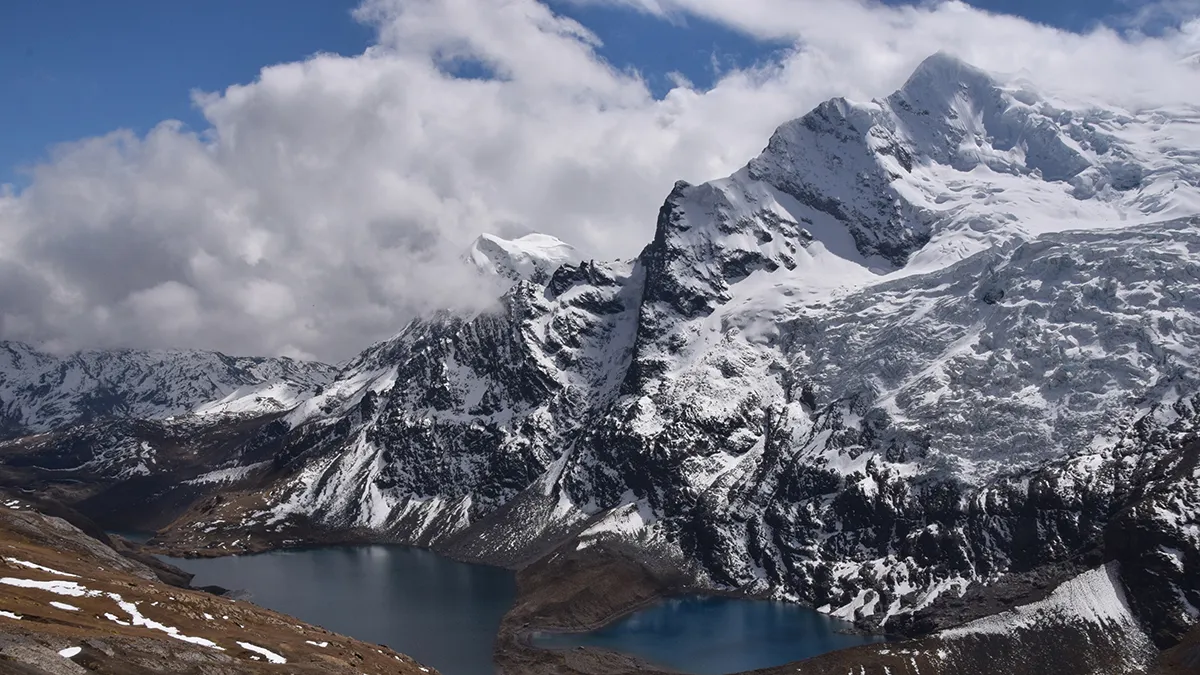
327	202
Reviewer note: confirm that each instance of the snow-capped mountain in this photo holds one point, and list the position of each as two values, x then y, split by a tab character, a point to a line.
854	373
40	391
918	347
533	255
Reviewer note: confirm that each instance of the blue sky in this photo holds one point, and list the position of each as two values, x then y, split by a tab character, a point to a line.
76	69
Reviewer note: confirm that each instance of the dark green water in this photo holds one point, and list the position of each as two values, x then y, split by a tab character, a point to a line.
440	612
445	614
714	636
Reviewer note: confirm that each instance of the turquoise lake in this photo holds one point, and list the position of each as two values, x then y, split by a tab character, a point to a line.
715	636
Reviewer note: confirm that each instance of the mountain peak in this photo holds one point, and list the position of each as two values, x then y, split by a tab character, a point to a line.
942	75
521	258
944	65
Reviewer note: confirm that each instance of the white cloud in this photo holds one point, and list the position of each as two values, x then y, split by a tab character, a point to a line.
328	201
1151	16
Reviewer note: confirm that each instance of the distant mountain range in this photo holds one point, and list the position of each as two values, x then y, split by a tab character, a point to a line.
40	392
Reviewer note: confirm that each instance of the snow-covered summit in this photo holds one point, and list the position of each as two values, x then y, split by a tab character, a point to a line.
852	194
522	258
958	160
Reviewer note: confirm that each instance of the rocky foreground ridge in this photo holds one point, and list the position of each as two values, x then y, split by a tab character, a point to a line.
924	359
73	603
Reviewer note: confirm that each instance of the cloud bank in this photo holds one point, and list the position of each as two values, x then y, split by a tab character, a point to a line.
328	202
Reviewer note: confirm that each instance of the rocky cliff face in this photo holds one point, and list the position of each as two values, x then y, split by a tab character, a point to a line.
920	347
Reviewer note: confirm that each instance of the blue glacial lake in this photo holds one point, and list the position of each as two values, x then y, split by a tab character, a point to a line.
440	612
446	614
715	636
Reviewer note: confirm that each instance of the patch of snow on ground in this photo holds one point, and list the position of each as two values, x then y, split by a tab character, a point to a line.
70	652
35	566
10	615
268	654
136	618
849	611
57	587
63	606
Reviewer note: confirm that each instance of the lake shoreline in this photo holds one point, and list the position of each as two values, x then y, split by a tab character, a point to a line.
538	584
513	643
547	599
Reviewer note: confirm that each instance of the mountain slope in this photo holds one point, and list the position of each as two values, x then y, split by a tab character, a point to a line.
72	604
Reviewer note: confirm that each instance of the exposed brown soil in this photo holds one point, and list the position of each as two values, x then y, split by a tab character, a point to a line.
104	631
